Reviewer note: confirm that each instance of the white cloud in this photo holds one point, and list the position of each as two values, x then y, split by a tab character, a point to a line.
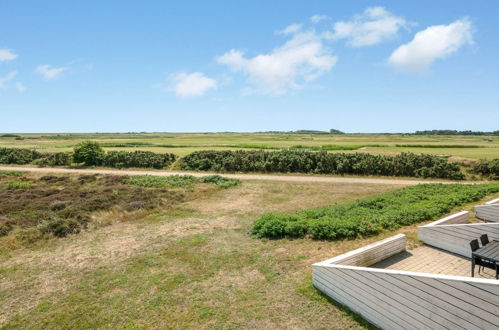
189	85
20	87
434	42
49	72
373	26
318	18
291	29
6	79
301	59
7	55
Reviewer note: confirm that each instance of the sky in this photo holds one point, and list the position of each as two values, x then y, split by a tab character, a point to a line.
246	66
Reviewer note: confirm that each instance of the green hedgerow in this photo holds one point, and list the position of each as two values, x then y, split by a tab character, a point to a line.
294	161
370	216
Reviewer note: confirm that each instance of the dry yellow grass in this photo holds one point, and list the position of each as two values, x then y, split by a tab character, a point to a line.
196	267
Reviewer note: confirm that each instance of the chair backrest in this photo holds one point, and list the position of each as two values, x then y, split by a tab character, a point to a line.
485	239
474	245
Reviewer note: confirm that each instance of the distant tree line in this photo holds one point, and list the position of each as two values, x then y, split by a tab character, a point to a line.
307	131
454	132
334	131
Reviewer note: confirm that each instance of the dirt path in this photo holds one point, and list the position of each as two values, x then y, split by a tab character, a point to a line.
270	177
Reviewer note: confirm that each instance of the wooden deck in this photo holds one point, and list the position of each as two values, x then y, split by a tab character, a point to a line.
426	259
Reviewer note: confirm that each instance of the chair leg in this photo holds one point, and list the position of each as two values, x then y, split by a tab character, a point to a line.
473	267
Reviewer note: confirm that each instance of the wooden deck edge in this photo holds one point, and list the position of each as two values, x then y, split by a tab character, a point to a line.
456	218
494	201
372	253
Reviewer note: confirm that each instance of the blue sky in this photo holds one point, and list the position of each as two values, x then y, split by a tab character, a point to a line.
188	66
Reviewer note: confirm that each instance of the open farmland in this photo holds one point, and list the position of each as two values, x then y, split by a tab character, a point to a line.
181	144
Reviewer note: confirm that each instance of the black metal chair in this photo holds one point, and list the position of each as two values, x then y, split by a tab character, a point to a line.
484	239
481	262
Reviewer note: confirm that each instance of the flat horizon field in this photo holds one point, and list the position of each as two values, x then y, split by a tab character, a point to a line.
181	144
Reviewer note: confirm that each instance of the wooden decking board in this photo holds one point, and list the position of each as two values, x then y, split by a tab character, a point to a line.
427	259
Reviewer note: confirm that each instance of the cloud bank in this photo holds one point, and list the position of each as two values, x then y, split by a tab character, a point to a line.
373	26
190	85
433	43
303	58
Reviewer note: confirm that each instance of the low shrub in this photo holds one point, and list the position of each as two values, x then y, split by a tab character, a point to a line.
220	181
145	159
18	156
63	204
60	227
54	159
370	216
147	181
289	161
180	181
18	184
487	168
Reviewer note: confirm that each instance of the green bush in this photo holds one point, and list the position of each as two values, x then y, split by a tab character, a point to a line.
185	181
88	152
370	216
289	161
54	159
157	181
22	156
487	168
147	181
146	159
18	156
220	181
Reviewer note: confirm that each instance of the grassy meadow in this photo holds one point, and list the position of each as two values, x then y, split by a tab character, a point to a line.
468	147
186	261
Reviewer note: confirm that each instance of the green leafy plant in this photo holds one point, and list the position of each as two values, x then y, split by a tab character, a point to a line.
88	152
370	216
220	181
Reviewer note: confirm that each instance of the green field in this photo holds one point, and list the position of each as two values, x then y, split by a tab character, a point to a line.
169	253
469	147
